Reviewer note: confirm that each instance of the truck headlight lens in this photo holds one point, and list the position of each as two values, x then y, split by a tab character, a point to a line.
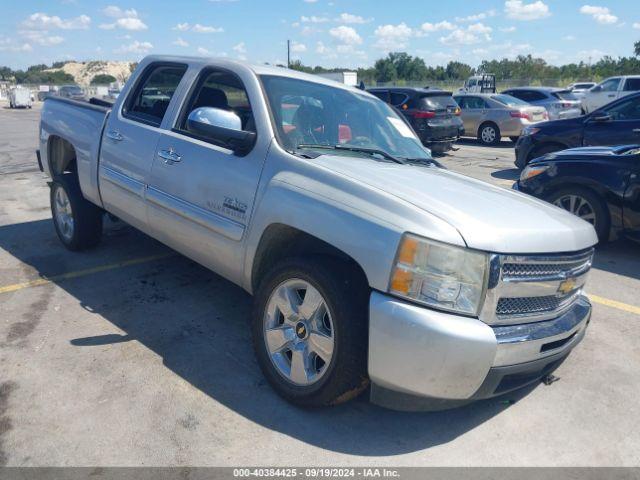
439	275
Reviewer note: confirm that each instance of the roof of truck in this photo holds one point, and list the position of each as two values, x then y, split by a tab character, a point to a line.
258	69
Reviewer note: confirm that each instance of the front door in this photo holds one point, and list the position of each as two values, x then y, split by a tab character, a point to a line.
201	194
130	139
622	128
474	110
603	94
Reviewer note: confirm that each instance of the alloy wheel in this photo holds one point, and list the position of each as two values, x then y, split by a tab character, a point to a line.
63	214
298	332
577	205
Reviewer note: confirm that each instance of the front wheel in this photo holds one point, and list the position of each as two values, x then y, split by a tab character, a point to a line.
77	221
310	333
586	205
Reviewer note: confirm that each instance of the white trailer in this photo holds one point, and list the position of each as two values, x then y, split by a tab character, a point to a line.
348	78
20	98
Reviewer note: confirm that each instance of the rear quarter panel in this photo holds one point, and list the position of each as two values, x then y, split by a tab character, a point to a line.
81	125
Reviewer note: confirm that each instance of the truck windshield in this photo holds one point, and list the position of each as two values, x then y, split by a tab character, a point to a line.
308	114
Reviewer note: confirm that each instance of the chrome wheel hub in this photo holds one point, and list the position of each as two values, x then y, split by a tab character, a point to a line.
298	332
62	213
579	206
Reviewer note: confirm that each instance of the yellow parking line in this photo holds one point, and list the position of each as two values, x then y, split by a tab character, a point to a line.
614	304
81	273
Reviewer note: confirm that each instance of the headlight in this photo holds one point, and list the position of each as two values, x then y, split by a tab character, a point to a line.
529	131
533	171
439	275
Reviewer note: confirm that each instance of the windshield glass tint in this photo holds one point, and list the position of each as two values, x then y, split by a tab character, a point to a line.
308	113
508	100
437	103
565	95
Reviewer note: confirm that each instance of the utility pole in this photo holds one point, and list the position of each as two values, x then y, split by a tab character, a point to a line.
288	53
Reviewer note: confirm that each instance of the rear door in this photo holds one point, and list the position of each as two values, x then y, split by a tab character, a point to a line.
622	128
130	139
200	193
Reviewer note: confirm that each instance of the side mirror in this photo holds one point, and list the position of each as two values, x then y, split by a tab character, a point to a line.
600	117
221	126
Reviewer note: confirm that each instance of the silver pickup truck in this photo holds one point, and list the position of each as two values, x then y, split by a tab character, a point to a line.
369	263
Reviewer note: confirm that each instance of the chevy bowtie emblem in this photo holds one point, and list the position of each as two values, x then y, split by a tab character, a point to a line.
567	286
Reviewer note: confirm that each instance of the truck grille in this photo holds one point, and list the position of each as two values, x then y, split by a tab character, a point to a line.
529	288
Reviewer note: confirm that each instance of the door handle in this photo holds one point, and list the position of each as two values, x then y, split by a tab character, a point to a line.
114	135
611	95
169	156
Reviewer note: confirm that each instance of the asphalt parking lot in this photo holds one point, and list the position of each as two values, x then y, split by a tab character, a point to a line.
131	354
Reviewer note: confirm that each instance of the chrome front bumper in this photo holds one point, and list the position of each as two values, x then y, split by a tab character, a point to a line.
422	359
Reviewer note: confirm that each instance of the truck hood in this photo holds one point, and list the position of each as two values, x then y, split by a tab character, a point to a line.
488	218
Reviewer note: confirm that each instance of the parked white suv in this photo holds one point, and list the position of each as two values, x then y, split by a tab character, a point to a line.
609	90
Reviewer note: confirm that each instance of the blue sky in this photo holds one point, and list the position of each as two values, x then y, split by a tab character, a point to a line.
327	32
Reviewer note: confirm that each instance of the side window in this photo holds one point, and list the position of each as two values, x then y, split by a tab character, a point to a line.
461	101
632	85
382	95
222	90
475	102
628	110
521	94
398	99
610	85
150	100
534	96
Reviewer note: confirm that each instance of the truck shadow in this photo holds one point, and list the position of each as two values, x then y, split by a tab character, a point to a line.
197	323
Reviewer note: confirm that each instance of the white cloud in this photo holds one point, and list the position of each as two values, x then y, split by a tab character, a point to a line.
600	14
124	19
437	27
116	12
41	37
135	47
309	30
569	38
180	42
590	55
477	17
240	48
636	25
203	51
7	45
181	27
43	21
474	33
297	47
310	1
508	29
392	37
348	18
518	10
313	19
345	35
197	28
322	49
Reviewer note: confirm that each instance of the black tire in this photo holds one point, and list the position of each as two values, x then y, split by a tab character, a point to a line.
602	220
489	126
514	139
87	218
346	298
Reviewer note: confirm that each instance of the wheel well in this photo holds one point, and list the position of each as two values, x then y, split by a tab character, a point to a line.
61	155
282	241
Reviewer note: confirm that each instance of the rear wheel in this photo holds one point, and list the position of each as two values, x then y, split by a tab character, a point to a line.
77	221
489	134
584	204
310	332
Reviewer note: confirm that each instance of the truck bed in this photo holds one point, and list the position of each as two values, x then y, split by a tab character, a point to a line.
81	125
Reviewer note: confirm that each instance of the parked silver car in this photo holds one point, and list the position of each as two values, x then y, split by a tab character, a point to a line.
559	102
493	116
580	88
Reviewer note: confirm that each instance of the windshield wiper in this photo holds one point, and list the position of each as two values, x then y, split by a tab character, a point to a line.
370	151
427	161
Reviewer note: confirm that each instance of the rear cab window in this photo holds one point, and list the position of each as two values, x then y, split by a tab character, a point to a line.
632	85
149	100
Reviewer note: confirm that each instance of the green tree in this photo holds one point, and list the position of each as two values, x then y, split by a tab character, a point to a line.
102	79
